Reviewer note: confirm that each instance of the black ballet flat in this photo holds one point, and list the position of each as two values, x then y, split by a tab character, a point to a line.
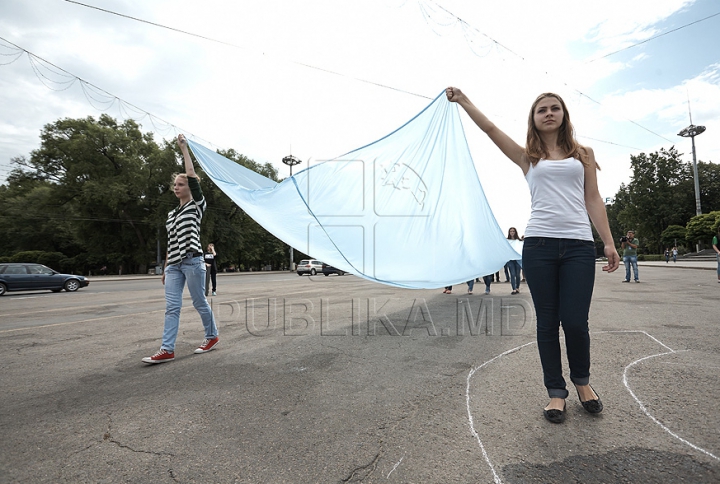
554	415
591	406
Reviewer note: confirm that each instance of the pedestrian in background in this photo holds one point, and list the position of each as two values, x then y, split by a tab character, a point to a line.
514	265
716	248
629	245
211	267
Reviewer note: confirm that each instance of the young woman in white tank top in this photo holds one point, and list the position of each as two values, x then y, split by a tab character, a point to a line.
559	250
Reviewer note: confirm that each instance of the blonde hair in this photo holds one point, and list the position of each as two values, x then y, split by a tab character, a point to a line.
535	147
184	175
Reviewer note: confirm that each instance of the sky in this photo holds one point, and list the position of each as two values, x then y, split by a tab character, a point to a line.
319	78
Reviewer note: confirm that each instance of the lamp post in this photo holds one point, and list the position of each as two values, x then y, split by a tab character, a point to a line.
690	132
291	161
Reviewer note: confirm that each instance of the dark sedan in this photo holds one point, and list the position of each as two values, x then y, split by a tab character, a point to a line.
328	269
37	277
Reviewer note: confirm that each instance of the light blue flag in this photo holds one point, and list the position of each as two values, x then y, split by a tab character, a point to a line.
407	210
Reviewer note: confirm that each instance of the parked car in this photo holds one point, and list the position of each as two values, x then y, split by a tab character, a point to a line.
328	269
309	266
36	277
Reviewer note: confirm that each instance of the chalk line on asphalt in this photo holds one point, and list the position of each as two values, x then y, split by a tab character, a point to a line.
471	421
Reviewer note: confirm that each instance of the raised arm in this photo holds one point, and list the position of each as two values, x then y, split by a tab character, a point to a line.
507	145
598	215
189	168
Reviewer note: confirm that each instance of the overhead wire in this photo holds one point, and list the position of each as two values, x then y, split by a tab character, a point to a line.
89	89
500	45
229	44
654	37
464	25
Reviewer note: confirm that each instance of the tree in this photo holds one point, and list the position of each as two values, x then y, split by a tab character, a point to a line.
103	183
702	228
672	234
661	194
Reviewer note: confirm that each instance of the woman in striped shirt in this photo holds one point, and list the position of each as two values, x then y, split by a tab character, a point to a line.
184	262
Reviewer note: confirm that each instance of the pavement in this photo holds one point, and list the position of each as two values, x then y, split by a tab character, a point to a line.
337	379
691	264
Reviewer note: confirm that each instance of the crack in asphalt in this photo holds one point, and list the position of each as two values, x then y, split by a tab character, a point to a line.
107	436
372	465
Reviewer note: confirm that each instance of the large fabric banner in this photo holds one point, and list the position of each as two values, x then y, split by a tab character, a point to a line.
407	210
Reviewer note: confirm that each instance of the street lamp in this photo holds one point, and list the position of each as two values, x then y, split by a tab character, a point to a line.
291	161
690	132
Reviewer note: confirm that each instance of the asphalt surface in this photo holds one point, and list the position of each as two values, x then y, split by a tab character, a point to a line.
351	381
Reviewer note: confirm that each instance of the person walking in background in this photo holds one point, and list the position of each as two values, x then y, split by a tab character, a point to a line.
184	262
514	265
716	248
674	254
667	255
211	265
559	250
487	280
629	244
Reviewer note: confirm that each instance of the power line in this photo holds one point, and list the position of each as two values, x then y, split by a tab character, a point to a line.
210	39
122	104
466	24
653	37
463	23
90	90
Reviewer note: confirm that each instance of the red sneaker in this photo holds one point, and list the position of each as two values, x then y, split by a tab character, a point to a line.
207	345
160	357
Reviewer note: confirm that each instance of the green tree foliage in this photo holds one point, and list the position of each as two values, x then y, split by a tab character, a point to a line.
98	193
672	234
661	194
702	228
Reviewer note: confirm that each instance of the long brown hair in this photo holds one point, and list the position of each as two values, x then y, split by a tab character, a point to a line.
535	147
517	237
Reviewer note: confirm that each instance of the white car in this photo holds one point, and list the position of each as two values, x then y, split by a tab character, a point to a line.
309	266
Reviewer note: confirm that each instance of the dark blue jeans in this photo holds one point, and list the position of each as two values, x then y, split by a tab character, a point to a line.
560	274
514	267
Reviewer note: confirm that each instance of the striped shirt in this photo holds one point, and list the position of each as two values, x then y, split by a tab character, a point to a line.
183	225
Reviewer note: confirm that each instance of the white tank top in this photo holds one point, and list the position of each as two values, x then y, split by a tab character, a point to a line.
557	192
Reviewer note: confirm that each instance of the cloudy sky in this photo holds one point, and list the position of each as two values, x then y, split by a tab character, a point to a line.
319	78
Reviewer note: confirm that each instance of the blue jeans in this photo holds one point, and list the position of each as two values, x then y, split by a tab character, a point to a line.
514	267
192	271
630	260
471	284
560	274
487	280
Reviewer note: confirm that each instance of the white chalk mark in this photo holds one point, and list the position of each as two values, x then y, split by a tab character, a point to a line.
469	412
645	411
639	331
396	466
471	421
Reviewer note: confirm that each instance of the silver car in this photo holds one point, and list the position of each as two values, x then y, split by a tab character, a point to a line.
309	266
